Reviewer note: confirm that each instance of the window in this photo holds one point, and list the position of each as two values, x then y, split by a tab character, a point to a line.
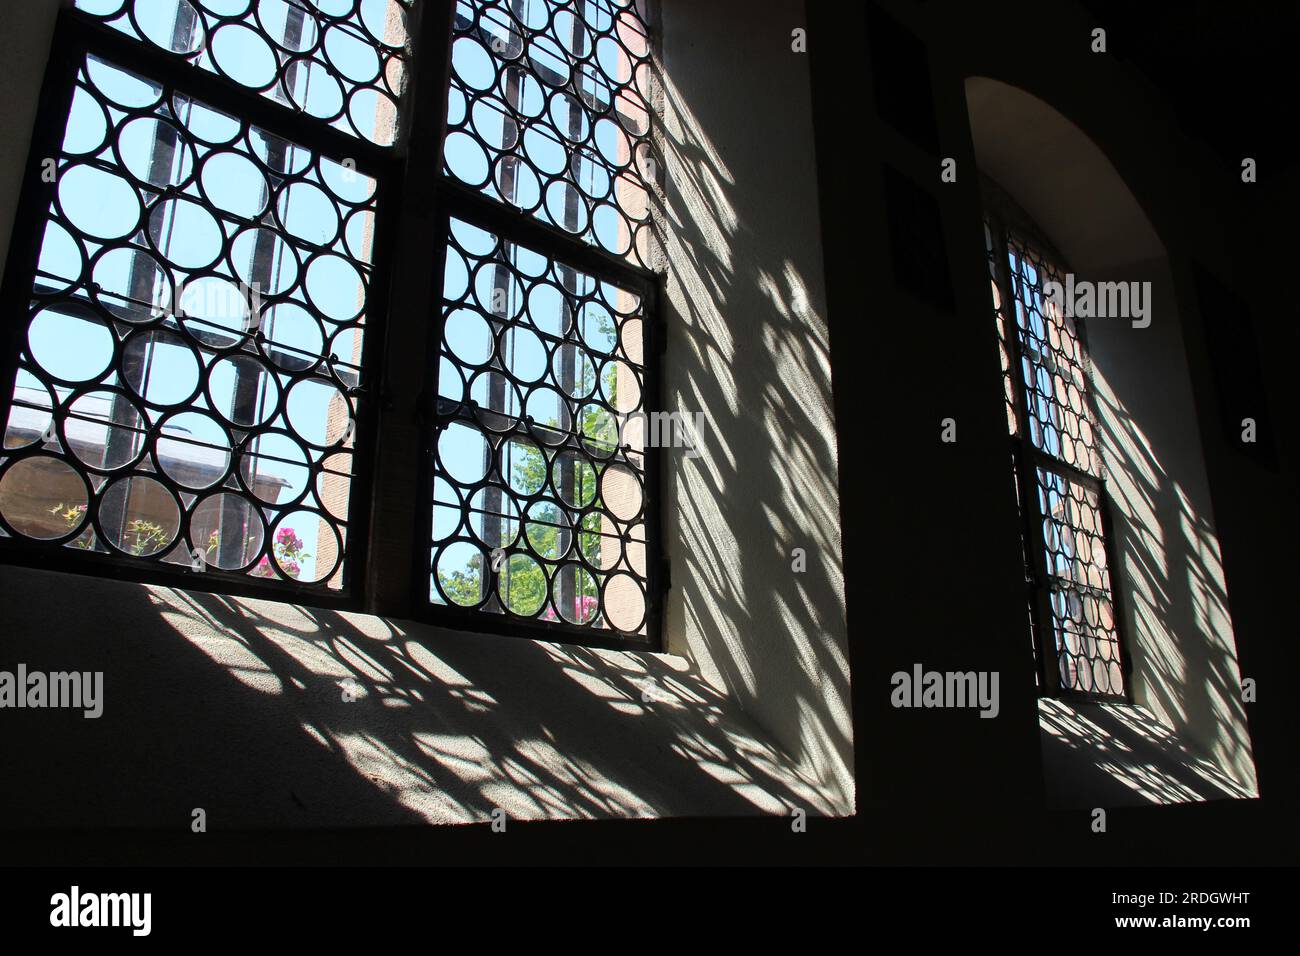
203	267
1059	484
185	384
543	488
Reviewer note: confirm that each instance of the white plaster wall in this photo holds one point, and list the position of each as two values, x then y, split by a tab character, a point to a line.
748	347
1170	580
237	706
1174	596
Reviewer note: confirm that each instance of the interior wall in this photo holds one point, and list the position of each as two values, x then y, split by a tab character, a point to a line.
237	706
269	715
935	574
1207	217
1175	603
1171	588
749	347
24	49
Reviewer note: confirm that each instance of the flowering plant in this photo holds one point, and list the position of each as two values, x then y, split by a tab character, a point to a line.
289	555
72	515
584	608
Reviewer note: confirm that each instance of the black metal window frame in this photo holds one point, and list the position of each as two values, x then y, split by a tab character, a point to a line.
76	37
455	200
1004	218
415	202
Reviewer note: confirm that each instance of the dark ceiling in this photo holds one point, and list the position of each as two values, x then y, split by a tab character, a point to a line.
1229	69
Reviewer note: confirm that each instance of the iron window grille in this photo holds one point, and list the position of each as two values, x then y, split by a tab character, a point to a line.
542	486
237	450
192	278
1066	538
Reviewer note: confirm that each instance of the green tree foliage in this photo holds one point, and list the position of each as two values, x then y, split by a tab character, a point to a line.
522	583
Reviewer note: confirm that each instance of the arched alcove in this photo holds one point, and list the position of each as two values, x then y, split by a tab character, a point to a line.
1059	176
1184	737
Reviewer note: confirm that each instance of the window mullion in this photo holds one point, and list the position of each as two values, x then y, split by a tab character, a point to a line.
417	225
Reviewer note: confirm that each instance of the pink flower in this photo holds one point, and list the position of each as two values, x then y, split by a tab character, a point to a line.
584	608
287	565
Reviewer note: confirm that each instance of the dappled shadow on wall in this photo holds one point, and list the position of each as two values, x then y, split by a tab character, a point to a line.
1169	581
751	353
449	728
1176	605
1129	757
